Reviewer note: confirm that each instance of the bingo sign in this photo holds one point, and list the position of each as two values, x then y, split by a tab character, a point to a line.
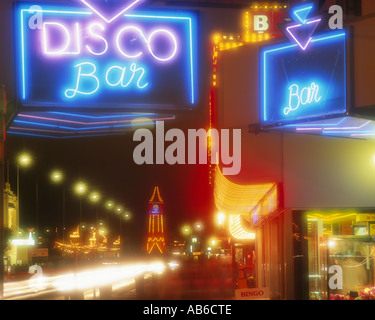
253	294
303	79
74	57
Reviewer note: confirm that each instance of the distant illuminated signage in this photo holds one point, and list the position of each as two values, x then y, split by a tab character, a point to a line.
77	57
23	242
303	84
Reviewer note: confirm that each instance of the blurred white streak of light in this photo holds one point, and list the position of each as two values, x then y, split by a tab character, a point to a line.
116	275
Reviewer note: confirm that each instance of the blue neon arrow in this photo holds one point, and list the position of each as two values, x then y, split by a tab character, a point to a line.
303	13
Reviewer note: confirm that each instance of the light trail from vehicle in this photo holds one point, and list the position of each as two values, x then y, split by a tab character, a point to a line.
86	281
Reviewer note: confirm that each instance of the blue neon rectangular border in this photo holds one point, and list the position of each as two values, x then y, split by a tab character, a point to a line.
283	47
177	16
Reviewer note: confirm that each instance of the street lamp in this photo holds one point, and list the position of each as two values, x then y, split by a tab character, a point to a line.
198	226
119	209
109	205
127	215
186	230
95	198
57	177
80	189
220	219
24	160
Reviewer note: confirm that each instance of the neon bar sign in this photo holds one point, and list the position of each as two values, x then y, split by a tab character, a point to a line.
140	60
307	96
297	85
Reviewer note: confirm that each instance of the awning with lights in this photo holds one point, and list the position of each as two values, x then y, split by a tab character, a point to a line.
245	205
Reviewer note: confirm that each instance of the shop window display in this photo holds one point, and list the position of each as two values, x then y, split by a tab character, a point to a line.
341	252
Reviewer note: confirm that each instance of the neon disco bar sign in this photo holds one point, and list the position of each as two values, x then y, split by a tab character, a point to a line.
72	58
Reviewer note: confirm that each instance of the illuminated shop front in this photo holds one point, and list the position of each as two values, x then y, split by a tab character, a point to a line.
340	250
307	127
253	214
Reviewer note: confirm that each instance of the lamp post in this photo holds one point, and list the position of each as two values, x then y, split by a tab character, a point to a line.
187	232
220	219
95	198
57	177
109	205
127	216
119	211
214	244
198	227
24	160
80	189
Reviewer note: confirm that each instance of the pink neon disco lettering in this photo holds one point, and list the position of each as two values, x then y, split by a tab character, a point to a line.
64	49
121	33
147	41
171	37
91	32
72	38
